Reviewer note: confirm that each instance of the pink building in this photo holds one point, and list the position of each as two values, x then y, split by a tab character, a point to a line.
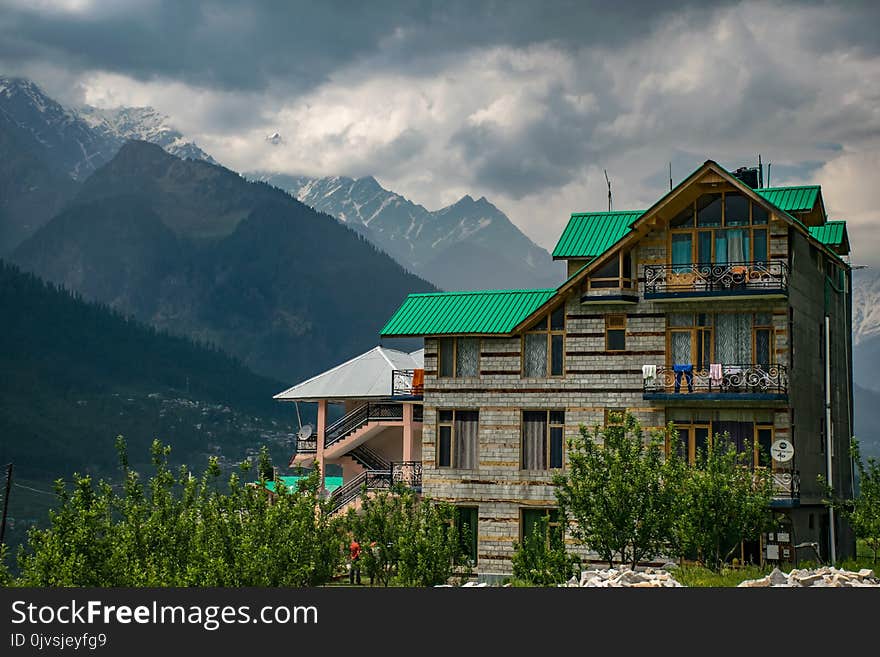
369	422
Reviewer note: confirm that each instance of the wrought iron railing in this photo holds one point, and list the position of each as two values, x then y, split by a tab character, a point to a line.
408	383
366	480
769	275
786	485
407	473
307	445
369	458
747	378
359	417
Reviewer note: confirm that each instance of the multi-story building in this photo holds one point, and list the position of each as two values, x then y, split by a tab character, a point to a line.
724	307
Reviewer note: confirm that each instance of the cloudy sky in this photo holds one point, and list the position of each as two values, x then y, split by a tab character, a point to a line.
522	102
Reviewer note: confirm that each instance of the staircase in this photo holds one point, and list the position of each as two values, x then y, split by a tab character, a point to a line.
362	415
371	479
368	458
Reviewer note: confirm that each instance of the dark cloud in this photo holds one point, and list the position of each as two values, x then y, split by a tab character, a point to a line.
228	44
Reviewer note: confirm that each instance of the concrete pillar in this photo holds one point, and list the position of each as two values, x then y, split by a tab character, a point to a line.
408	433
322	427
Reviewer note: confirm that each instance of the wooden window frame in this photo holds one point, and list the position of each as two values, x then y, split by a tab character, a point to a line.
544	513
624	279
710	427
455	339
694	231
608	328
455	523
609	422
697	330
545	328
452	437
549	425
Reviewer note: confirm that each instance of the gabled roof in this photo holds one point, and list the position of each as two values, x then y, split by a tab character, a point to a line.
367	375
589	234
833	234
490	312
792	199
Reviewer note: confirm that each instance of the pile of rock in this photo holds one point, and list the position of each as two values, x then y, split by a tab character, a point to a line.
826	576
624	576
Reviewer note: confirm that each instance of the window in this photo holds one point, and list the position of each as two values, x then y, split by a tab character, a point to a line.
457	438
751	432
532	519
614	273
542	439
615	417
459	357
732	339
615	332
544	346
717	229
465	521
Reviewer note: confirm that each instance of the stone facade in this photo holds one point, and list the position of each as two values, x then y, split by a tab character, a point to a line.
596	380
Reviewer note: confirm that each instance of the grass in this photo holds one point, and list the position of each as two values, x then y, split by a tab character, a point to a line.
698	576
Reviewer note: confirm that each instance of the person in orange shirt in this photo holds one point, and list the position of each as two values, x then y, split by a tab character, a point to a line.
354	552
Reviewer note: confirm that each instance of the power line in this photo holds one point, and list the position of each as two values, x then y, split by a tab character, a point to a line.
36	490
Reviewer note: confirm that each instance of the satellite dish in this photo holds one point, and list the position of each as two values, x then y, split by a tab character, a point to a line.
305	432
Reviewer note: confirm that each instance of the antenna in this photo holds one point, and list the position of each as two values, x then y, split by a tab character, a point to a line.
760	172
608	182
670	176
299	421
769	164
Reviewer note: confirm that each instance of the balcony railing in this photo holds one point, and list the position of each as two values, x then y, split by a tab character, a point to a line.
307	446
707	279
373	411
731	380
408	383
407	473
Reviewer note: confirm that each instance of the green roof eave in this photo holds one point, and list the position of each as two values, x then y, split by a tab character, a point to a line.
590	234
489	312
800	198
832	234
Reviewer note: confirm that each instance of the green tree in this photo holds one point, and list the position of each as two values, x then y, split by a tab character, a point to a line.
405	539
181	530
616	493
721	501
541	559
863	511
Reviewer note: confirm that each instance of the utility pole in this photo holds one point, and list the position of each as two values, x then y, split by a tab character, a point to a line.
6	502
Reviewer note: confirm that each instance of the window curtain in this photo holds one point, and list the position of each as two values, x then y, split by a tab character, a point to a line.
535	357
733	339
681	252
534	440
468	357
466	430
737	246
681	348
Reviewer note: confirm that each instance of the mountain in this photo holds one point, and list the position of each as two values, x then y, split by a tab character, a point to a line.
195	249
122	124
46	149
866	328
468	245
77	374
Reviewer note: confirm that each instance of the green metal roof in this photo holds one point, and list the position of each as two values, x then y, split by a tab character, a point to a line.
453	313
832	233
792	199
330	483
589	234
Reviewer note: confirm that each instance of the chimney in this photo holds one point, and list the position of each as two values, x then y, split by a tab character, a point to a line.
749	175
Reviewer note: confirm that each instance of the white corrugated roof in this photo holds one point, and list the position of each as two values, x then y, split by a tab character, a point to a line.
367	375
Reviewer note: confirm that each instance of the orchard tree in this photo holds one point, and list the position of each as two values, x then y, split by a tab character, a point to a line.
541	559
616	493
721	501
